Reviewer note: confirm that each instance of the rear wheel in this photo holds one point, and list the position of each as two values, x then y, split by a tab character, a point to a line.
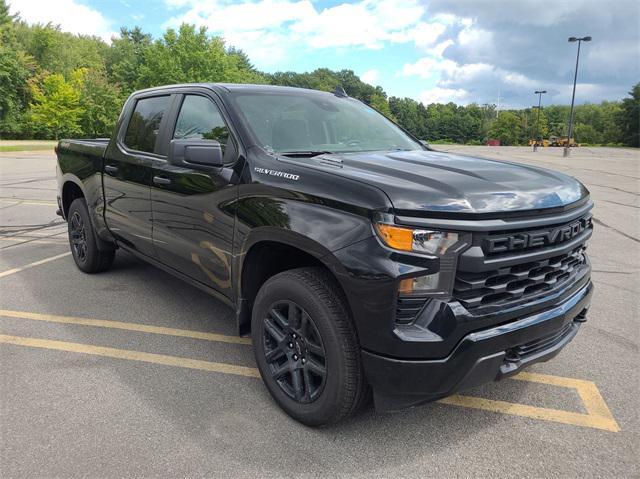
82	239
306	347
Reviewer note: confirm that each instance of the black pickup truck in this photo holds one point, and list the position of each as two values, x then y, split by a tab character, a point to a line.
361	262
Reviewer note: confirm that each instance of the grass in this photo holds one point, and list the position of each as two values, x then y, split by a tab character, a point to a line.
26	145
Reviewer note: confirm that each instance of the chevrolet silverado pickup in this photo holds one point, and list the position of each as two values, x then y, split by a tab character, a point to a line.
362	263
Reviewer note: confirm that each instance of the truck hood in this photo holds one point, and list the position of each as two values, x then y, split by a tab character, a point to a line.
428	181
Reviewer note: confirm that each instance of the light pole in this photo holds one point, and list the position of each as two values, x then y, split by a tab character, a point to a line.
573	96
535	143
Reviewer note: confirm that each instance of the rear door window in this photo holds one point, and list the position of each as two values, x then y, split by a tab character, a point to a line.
142	131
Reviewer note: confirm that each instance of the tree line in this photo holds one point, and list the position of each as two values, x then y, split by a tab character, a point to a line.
55	84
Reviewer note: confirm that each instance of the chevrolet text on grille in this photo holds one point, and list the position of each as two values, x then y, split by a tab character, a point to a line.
498	244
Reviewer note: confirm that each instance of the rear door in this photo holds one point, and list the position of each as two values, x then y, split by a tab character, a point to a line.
193	209
128	171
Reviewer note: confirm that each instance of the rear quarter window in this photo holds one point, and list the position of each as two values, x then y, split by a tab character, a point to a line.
142	131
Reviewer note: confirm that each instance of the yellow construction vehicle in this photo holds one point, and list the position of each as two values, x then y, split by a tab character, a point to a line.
562	141
541	142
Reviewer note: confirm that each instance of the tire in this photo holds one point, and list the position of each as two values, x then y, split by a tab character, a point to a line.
83	241
301	327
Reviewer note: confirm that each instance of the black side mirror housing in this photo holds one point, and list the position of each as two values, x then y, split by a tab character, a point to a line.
425	143
195	153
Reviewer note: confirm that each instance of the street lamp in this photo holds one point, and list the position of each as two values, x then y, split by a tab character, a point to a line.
535	143
573	96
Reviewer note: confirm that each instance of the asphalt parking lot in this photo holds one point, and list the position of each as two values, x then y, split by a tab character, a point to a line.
134	373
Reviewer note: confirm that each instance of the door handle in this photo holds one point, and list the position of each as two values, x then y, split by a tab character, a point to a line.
111	170
161	180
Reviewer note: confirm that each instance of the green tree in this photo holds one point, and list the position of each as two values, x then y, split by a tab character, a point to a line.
189	55
43	70
405	112
507	128
101	104
16	67
5	17
125	57
56	51
56	109
381	104
585	133
628	119
542	127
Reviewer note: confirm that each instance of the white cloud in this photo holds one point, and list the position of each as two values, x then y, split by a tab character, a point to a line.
422	34
267	29
444	95
439	49
71	16
449	71
370	76
427	67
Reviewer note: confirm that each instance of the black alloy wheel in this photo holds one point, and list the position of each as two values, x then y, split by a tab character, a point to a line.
83	241
294	351
78	236
306	346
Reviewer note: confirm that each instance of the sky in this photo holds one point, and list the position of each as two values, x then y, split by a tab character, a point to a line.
465	51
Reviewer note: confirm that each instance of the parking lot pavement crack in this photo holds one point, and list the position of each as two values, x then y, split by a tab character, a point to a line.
612	272
37	240
617	203
33	180
615	188
598	222
9	231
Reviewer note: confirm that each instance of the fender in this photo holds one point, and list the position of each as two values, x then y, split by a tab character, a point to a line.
295	239
92	193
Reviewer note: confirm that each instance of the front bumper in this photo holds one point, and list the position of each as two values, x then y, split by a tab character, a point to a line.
480	357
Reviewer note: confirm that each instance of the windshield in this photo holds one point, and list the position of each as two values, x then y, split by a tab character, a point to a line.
309	123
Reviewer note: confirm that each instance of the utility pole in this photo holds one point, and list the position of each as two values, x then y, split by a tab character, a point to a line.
573	96
537	138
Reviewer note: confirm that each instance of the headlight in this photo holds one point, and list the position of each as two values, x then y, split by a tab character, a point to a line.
438	278
417	240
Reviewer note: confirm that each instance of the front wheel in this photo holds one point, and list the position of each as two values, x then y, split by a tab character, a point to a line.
82	239
306	347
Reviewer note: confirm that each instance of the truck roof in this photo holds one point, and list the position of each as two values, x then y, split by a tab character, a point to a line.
234	87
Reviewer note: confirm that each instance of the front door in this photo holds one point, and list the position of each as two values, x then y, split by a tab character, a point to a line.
128	174
193	215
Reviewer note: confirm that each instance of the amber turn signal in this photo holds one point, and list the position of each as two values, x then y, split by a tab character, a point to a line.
396	237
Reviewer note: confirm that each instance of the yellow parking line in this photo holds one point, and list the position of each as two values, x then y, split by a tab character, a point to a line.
142	328
32	265
598	414
587	390
27	241
132	355
29	202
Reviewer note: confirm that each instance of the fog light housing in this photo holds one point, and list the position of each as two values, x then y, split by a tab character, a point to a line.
419	284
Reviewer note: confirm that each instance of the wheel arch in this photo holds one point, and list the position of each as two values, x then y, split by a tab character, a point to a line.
270	253
70	191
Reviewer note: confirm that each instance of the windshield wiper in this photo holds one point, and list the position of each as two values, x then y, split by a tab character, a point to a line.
304	153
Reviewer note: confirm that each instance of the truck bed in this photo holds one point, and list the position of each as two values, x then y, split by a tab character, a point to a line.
92	147
81	161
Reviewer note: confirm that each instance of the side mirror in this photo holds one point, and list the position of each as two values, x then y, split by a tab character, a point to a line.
194	153
425	143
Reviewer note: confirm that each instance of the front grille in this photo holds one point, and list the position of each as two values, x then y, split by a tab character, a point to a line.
540	344
519	282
